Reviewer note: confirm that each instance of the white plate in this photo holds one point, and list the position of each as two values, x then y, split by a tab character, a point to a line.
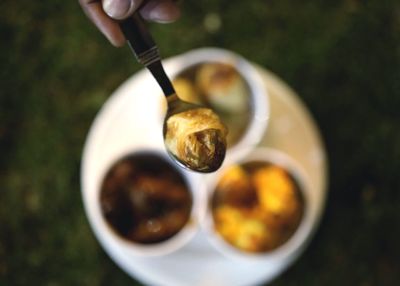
291	129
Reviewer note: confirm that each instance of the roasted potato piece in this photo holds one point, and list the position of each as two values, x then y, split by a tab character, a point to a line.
223	87
186	91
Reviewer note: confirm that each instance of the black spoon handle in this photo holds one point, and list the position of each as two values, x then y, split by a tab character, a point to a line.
145	50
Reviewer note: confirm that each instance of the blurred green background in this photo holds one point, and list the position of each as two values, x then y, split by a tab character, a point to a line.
342	57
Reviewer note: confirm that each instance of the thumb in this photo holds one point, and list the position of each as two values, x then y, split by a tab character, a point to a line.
120	9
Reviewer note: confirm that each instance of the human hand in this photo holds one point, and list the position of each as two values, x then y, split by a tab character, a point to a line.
106	13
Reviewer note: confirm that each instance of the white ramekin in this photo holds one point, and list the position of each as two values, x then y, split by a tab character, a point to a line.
299	238
197	215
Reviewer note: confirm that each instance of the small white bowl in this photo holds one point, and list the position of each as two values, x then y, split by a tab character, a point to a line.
259	96
299	238
197	215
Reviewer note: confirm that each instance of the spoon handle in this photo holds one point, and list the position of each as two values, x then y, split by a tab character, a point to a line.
145	50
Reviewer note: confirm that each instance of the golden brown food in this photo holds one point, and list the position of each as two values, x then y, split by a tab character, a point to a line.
256	207
243	229
144	199
235	187
197	138
223	87
186	90
220	87
276	191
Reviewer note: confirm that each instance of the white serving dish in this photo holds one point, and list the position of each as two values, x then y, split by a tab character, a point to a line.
131	120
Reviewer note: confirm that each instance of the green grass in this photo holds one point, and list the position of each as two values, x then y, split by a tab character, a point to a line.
342	57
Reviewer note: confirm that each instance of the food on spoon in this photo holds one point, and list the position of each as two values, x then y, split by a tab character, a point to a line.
256	206
223	87
197	138
144	199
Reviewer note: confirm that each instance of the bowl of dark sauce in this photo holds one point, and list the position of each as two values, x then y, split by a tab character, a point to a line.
147	203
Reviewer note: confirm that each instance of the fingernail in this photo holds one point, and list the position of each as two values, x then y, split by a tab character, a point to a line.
118	9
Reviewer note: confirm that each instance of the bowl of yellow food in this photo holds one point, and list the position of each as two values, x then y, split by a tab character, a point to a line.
228	84
259	207
146	205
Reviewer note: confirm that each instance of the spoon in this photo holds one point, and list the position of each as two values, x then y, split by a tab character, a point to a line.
193	135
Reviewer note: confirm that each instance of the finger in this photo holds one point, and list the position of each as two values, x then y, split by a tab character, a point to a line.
104	23
120	9
162	11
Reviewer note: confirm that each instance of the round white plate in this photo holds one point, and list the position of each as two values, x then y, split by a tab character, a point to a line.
132	119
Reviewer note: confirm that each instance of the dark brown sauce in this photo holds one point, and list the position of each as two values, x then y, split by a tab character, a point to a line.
145	199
